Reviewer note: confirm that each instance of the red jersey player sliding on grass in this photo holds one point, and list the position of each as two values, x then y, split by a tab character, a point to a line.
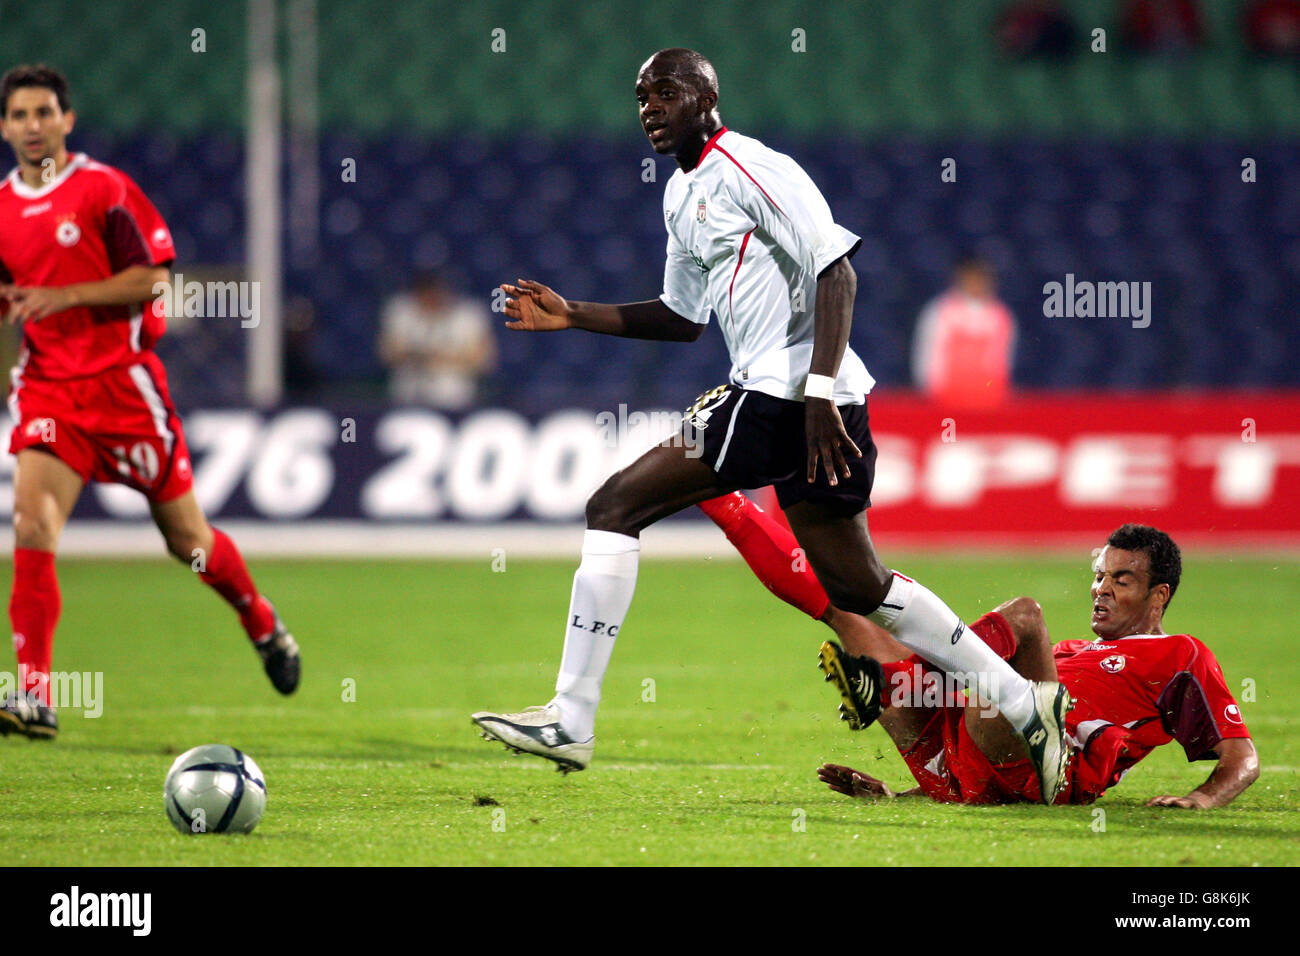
1134	687
752	240
82	252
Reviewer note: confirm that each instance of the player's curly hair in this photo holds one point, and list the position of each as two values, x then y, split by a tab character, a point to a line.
38	75
1165	558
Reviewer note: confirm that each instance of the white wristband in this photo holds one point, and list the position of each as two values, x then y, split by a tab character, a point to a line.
819	386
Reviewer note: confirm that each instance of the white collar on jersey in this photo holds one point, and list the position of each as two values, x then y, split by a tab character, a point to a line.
23	191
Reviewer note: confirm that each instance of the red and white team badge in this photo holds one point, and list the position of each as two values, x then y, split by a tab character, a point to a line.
1113	664
701	210
67	233
160	236
1232	713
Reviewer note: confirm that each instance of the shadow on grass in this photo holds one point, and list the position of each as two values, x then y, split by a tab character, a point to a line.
375	748
908	816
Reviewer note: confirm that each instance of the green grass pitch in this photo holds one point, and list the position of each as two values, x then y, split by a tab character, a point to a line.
717	768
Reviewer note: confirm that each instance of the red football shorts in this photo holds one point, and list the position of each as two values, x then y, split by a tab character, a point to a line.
118	426
948	764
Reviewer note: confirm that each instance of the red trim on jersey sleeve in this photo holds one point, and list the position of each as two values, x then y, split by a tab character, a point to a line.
750	178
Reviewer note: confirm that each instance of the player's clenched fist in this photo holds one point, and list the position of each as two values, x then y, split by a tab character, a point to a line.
535	307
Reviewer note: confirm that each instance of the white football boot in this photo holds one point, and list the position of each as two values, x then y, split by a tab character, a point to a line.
1045	738
537	731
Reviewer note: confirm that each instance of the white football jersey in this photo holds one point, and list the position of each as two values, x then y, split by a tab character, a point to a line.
748	233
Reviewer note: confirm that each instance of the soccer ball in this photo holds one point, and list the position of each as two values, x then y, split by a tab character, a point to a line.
214	789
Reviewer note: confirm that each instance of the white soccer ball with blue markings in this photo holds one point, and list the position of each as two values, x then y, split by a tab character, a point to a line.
214	789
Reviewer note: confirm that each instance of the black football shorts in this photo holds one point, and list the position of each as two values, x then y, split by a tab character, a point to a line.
753	440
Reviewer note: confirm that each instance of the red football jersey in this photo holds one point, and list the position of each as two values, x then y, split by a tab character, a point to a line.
1134	694
90	223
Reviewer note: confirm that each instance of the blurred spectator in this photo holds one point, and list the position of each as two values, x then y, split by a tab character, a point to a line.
1161	26
301	377
1036	29
1273	27
964	341
436	345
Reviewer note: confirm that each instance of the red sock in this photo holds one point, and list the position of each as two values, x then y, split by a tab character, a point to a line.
994	631
34	607
770	550
227	575
901	676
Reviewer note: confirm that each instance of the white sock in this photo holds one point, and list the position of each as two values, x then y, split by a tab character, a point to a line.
602	592
922	622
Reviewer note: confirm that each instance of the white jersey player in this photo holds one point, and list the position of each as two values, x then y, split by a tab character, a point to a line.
752	240
748	234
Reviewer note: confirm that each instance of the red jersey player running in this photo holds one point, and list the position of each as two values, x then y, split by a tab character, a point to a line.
82	252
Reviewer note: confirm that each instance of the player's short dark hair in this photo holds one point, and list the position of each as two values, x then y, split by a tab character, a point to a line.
693	67
39	75
1165	558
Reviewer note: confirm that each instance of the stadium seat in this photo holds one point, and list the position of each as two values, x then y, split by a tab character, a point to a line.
1221	254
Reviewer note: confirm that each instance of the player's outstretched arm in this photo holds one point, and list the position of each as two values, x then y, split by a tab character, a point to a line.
533	307
1237	769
